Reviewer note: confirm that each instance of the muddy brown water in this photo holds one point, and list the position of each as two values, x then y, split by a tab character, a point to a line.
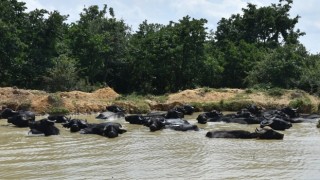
166	154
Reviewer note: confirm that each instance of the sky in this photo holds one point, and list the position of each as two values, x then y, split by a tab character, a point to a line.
134	12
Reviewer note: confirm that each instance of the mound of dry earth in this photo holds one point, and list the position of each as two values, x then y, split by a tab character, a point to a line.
82	102
41	101
201	95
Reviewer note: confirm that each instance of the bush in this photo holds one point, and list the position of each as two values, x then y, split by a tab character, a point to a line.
55	100
275	92
62	76
58	111
304	105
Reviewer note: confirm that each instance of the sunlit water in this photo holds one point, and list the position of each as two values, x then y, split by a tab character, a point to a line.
166	154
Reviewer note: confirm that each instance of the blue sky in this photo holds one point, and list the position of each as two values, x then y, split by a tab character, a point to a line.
133	12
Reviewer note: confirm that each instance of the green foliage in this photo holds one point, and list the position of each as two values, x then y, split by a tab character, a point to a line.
304	105
99	44
281	68
257	48
264	26
249	91
55	100
63	75
165	58
57	105
277	92
58	111
310	75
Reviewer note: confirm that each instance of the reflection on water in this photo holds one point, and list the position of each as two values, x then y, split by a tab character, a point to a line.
140	154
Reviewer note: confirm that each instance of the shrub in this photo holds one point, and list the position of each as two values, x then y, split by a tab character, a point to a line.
55	100
275	92
58	111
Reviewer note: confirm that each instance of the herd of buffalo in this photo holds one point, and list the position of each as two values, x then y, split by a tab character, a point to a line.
269	121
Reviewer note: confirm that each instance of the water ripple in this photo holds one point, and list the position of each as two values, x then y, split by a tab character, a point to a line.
141	154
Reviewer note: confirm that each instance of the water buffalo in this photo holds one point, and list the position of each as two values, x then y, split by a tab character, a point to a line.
291	112
173	113
22	118
185	109
276	123
263	133
7	112
213	115
75	125
254	109
113	112
158	123
137	119
58	118
109	129
242	117
115	109
43	126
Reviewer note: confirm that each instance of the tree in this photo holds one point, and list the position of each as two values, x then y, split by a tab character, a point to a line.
310	75
98	43
281	67
168	58
269	26
62	76
12	46
41	35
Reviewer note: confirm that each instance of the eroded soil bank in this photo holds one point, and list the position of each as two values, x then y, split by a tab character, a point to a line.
203	99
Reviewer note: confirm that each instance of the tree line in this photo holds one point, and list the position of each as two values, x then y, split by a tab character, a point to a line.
258	48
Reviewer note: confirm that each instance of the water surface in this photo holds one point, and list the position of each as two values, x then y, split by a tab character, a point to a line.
141	154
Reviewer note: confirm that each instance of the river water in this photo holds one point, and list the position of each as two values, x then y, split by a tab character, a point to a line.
166	154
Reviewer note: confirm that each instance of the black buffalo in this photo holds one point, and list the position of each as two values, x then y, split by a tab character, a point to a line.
173	113
137	119
276	123
76	125
7	112
263	133
109	129
115	109
158	123
43	126
185	109
19	118
213	116
241	117
113	112
58	118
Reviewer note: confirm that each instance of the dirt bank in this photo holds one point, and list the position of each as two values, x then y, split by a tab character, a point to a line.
203	98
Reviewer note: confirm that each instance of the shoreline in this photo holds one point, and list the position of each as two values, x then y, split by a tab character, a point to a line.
203	99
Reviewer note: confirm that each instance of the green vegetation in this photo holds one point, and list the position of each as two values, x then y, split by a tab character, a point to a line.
258	47
277	92
58	111
57	105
